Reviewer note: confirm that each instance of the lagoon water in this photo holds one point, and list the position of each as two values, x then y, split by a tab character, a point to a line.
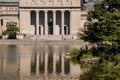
37	62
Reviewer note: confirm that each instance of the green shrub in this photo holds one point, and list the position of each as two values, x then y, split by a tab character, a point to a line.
11	31
117	57
88	55
74	52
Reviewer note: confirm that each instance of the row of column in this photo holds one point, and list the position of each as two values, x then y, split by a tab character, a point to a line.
46	22
46	64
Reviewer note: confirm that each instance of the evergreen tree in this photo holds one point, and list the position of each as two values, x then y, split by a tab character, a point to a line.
104	23
103	29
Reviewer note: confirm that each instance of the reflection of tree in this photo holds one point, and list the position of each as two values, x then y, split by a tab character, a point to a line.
9	64
12	53
67	48
66	61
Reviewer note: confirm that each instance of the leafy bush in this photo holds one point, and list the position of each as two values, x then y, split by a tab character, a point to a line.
11	32
74	52
88	55
117	58
103	71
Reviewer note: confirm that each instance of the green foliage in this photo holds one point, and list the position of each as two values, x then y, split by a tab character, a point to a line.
103	71
11	32
104	23
117	58
89	55
103	29
74	52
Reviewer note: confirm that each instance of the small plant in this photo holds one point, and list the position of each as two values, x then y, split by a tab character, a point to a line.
88	55
11	31
74	52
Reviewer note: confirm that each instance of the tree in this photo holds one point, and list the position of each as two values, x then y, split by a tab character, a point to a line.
104	23
103	29
11	31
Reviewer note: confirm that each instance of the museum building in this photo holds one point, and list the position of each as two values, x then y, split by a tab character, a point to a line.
46	18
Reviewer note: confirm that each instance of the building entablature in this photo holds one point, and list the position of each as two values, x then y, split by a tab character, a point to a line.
50	3
9	4
47	9
10	9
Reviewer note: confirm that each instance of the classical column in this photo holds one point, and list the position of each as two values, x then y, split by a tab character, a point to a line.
46	21
62	30
66	30
37	22
41	28
54	22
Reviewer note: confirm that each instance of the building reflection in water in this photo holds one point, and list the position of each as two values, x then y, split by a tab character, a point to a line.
9	63
22	62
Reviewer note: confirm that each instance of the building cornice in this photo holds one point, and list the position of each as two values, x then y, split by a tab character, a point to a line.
50	7
9	3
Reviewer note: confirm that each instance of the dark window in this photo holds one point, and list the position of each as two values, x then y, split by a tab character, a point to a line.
1	22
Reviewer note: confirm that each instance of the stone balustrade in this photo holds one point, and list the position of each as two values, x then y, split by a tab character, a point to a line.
9	12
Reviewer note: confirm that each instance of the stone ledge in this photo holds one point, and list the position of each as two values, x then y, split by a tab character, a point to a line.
67	42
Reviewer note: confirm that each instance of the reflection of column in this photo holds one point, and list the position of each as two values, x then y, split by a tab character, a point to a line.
42	63
62	23
33	64
66	66
4	63
46	26
37	22
1	64
54	63
37	64
62	63
54	22
46	63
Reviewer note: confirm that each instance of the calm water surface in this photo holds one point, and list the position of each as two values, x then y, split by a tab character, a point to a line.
37	62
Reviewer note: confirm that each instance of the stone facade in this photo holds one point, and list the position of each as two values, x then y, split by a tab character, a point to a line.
43	17
8	15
